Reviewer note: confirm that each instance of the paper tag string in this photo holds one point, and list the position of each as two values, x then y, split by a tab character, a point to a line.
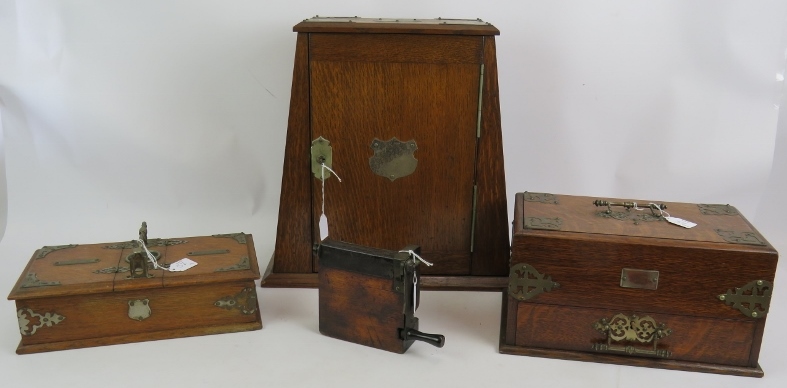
413	254
672	220
323	218
150	256
323	167
652	206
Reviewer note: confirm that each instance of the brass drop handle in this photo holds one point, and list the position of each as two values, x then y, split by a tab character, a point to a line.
432	339
631	205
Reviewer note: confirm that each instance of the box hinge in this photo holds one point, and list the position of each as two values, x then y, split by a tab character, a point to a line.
747	298
524	282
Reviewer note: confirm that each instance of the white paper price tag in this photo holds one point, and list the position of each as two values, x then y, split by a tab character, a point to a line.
680	222
323	227
182	265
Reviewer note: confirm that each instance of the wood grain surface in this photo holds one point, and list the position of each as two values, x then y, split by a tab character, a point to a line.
491	246
361	309
292	252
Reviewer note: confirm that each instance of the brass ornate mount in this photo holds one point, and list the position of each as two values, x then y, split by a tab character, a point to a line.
717	210
245	301
30	321
541	197
524	282
623	332
747	298
49	249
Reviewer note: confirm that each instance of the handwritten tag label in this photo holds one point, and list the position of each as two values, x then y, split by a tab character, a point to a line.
680	222
323	227
182	265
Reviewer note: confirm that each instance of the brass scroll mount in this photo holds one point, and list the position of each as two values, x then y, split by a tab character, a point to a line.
624	331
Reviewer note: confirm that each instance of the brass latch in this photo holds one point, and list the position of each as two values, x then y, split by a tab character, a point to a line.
321	154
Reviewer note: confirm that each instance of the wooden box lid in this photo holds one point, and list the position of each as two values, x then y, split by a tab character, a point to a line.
721	224
102	268
358	25
631	260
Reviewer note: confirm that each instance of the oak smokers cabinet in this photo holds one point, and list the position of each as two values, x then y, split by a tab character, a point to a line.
406	112
599	280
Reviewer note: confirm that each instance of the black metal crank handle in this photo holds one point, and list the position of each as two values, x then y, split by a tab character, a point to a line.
432	339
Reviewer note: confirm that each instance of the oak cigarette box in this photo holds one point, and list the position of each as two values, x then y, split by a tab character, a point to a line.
75	296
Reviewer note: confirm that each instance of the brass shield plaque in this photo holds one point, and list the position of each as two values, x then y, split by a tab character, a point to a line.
139	309
393	158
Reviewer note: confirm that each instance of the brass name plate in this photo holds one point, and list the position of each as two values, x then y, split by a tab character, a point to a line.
639	278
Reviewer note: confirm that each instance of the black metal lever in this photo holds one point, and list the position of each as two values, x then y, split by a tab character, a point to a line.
432	339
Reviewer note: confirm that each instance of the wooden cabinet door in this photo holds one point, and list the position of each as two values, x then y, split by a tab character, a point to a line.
425	89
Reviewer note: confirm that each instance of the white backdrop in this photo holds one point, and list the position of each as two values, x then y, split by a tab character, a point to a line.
175	112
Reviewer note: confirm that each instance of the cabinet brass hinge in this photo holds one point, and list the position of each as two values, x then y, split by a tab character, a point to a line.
747	298
472	220
524	282
480	103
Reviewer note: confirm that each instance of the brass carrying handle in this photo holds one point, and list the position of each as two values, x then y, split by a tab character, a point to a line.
631	205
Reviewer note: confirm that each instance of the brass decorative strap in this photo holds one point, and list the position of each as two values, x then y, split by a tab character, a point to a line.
524	282
624	331
208	252
76	262
747	298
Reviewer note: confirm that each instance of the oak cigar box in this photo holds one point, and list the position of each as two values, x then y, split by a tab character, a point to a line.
75	296
613	281
406	112
369	296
